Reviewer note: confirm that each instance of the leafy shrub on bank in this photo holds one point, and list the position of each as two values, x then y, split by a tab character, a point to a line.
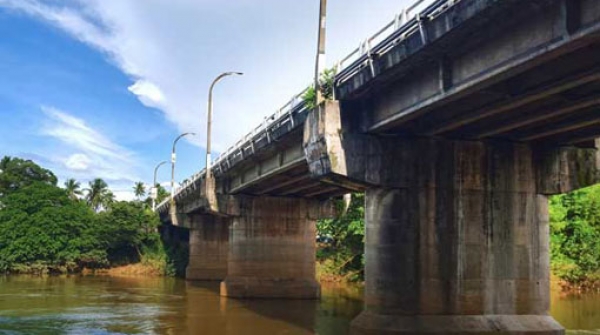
575	236
343	258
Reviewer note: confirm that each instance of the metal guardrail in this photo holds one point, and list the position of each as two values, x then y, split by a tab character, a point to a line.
404	24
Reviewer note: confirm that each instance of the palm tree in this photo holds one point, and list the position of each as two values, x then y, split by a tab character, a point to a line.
139	190
97	194
4	162
73	188
108	199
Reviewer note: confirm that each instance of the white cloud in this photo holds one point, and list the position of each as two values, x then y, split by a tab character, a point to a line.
148	93
78	162
172	49
85	153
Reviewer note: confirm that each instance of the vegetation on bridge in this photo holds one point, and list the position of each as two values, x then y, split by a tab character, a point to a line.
45	228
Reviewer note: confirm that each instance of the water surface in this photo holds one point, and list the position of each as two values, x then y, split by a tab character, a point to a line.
138	305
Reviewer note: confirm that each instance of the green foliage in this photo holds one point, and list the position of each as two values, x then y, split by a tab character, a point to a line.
73	188
325	85
139	189
344	256
98	195
161	195
125	229
16	173
168	260
575	236
40	225
44	228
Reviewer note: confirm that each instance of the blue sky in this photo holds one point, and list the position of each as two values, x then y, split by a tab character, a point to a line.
100	88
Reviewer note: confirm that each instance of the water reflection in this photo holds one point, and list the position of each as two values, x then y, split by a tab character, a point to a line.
578	312
115	305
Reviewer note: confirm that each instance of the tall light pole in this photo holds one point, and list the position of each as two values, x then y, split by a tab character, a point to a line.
173	160
320	61
154	191
209	121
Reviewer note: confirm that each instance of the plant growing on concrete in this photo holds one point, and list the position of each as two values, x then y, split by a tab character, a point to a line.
325	85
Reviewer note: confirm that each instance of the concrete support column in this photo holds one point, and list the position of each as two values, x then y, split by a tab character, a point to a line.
209	246
457	243
272	249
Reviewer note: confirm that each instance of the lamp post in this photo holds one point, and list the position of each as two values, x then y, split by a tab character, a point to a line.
320	61
154	190
173	160
209	121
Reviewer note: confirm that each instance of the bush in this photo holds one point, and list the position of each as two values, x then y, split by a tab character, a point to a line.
575	236
343	258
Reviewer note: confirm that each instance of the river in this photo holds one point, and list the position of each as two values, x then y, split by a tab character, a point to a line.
136	305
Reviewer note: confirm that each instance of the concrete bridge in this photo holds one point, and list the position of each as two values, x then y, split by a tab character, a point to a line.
457	123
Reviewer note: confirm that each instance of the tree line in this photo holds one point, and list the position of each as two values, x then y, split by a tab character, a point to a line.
46	228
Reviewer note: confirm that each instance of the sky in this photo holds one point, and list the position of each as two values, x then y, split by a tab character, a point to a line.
100	88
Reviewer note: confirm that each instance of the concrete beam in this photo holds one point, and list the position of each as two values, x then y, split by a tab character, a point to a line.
565	169
514	103
566	108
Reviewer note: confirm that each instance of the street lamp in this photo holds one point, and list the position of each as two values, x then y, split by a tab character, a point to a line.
209	121
173	159
154	190
320	61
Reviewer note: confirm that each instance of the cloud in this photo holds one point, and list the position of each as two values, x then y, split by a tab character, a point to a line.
172	49
78	162
148	93
85	153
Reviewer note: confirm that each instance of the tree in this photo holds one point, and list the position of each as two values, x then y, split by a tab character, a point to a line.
575	235
125	229
344	255
161	194
98	195
108	200
17	173
139	189
73	188
39	224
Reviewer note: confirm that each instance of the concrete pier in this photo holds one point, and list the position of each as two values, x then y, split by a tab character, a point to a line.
209	246
272	249
458	243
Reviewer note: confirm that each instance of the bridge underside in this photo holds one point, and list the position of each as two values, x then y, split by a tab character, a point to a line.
520	71
282	171
557	102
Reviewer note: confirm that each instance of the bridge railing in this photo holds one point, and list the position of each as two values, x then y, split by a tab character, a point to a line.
407	22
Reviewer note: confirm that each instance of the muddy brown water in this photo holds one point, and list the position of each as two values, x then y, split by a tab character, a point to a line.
137	305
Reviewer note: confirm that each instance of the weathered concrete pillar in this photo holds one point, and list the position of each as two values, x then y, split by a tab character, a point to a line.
456	232
209	246
272	249
457	243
